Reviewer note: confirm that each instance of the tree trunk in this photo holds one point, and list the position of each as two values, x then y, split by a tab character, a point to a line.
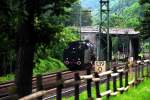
24	70
25	49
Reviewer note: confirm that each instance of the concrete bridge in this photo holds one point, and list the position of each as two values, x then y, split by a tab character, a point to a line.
90	32
128	35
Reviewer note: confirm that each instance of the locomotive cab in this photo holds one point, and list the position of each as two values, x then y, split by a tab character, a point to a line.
79	55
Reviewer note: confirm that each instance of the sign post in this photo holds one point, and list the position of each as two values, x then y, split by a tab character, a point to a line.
130	62
100	66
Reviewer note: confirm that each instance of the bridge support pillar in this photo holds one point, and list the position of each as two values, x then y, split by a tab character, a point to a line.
134	47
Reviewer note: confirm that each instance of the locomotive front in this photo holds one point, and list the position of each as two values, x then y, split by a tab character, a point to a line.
79	55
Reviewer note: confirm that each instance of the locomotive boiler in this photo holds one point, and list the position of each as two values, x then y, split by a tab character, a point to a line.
79	55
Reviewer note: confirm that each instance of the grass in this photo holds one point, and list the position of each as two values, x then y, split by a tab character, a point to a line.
7	78
83	95
44	66
139	92
49	65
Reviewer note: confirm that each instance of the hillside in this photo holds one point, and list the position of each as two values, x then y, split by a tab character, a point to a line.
119	9
90	4
115	5
120	5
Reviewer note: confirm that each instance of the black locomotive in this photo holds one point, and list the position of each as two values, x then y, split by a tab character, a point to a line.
79	55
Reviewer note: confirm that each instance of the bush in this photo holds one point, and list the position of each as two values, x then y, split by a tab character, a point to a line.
48	65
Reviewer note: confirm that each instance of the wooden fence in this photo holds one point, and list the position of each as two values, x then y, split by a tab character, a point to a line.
94	78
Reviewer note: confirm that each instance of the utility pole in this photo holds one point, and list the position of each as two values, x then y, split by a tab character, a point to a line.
103	41
149	47
81	13
80	18
103	37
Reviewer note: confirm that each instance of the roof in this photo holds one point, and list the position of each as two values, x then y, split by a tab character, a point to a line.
115	31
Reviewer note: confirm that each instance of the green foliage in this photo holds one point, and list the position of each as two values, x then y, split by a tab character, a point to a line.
123	14
117	21
48	15
115	42
45	31
6	24
73	16
43	66
129	17
7	34
48	65
62	40
6	78
56	47
132	15
143	1
145	19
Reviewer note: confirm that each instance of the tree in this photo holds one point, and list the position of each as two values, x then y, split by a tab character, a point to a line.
25	47
86	18
117	21
73	17
7	35
145	19
78	12
27	38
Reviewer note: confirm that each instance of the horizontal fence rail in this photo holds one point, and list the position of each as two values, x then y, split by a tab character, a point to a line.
128	71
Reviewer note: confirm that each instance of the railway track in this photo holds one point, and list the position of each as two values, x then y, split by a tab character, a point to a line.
7	89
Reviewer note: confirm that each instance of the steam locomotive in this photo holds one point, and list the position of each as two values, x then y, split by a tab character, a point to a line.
79	55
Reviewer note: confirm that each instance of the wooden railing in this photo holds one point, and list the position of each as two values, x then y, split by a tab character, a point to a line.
95	78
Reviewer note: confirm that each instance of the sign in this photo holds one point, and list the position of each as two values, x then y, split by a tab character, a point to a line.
130	61
100	66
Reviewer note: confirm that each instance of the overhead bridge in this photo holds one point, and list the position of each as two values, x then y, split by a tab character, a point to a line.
127	35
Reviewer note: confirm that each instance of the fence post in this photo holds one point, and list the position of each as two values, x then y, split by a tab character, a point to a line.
108	85
140	67
136	71
98	95
59	87
114	79
131	72
142	70
89	81
39	84
77	78
120	78
148	68
126	75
